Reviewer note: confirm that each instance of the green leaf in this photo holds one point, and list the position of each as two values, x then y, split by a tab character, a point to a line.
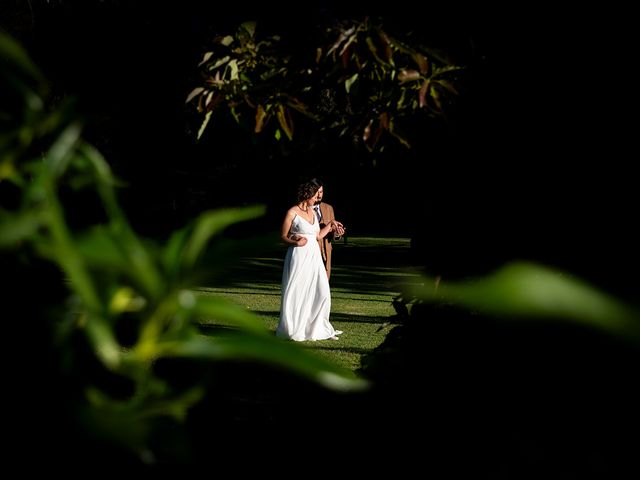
205	58
408	75
99	249
374	50
422	61
60	153
284	118
350	81
268	349
205	122
260	117
14	57
221	310
15	228
219	62
447	85
211	223
226	41
172	253
526	290
250	28
194	93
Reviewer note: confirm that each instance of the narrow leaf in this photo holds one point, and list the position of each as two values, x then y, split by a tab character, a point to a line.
217	310
211	223
423	93
233	65
260	117
195	92
421	60
16	228
350	81
205	58
268	349
219	62
408	75
207	117
285	121
374	50
527	290
447	85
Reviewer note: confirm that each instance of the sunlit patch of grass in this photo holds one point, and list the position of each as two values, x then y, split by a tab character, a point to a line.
361	294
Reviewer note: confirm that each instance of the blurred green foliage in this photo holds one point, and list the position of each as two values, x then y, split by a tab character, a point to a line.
126	303
531	292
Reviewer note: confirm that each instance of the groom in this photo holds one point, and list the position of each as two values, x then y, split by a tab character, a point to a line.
324	214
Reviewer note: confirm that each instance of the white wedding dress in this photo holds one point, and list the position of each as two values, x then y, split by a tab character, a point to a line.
306	299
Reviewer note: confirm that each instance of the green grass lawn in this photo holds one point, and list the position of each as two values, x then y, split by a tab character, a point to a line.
367	273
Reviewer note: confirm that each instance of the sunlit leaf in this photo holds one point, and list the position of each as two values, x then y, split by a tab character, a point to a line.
526	290
250	28
219	62
205	58
271	350
284	118
125	299
217	309
395	131
103	341
408	75
367	131
350	40
350	81
373	49
422	61
205	122
260	117
446	69
435	94
60	153
343	36
447	85
211	223
301	107
195	92
388	51
423	92
226	41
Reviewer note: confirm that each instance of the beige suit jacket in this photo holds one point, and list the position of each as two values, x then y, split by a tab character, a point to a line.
326	243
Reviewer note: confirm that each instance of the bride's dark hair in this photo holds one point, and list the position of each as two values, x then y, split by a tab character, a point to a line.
307	190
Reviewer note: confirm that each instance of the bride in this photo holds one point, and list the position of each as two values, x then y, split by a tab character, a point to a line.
306	299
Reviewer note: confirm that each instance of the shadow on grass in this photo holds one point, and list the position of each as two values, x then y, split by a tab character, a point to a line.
364	266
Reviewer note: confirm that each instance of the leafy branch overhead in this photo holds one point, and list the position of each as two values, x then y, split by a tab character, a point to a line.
361	82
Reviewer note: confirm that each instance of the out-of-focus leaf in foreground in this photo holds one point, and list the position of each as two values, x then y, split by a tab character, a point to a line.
523	290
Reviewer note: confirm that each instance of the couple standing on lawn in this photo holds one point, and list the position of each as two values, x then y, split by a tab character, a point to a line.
309	228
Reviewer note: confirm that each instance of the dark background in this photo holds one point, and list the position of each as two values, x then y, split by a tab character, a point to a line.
535	163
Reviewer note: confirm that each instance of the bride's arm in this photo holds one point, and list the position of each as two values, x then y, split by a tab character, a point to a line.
328	228
285	231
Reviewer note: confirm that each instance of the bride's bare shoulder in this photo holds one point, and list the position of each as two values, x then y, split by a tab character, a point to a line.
292	211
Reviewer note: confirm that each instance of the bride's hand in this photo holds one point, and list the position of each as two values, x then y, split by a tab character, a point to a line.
337	228
301	241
